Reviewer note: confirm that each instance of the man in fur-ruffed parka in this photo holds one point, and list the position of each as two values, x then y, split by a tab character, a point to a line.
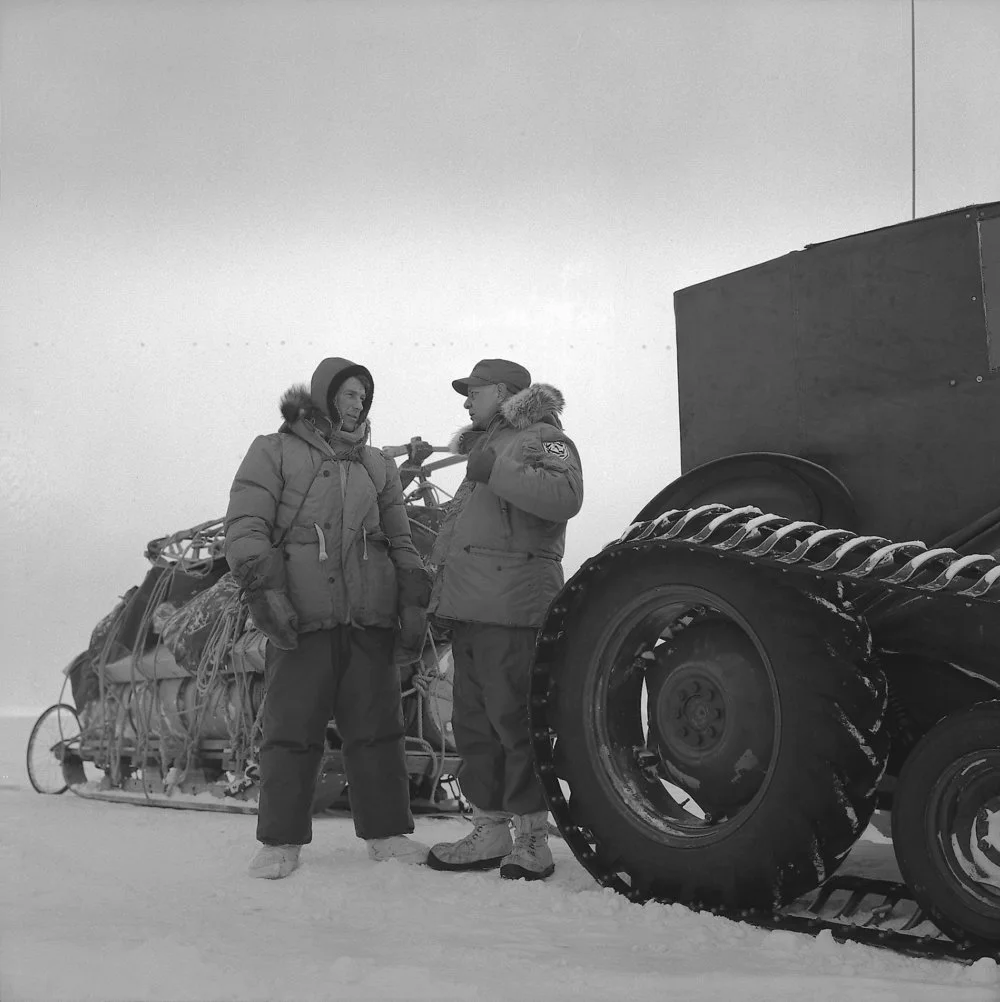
319	540
499	559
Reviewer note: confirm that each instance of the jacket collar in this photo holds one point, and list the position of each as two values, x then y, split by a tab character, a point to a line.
540	402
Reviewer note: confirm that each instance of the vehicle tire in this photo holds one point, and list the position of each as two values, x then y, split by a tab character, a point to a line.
946	823
671	646
55	736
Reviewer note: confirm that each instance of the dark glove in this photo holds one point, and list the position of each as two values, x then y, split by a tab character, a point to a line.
272	613
480	464
409	646
414	586
414	597
274	616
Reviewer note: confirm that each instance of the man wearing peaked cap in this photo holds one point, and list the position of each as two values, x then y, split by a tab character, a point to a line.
492	372
499	565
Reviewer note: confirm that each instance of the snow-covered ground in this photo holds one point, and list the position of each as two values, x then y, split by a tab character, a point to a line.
113	902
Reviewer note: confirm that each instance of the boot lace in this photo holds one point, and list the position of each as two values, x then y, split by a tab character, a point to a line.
479	831
531	842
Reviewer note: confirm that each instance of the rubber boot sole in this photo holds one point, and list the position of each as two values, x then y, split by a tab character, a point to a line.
511	871
435	863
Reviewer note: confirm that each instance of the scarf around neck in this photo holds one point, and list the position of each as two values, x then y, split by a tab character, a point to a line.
348	444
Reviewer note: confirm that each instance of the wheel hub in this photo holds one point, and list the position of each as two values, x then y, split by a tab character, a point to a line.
711	714
984	845
966	810
693	709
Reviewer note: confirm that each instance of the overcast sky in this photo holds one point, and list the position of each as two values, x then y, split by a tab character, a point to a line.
200	201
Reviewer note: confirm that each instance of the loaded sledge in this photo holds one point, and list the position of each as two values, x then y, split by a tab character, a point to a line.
169	691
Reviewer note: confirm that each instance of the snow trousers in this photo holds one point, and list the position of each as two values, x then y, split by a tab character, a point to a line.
490	716
346	673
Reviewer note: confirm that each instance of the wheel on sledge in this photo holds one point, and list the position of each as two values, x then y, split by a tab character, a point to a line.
53	756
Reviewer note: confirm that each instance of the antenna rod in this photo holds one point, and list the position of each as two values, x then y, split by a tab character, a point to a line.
913	112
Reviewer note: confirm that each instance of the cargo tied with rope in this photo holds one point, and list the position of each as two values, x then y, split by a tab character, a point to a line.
167	696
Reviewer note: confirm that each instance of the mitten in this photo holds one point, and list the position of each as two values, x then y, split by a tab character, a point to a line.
274	616
272	612
480	464
409	645
414	585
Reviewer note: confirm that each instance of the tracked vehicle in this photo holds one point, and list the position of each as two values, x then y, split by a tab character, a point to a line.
804	627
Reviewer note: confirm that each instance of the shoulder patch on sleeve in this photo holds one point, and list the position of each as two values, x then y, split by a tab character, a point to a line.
557	449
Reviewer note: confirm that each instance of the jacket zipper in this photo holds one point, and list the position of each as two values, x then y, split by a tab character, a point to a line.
505	519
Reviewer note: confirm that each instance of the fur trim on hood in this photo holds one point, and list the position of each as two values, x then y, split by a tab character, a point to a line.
297	404
539	402
462	441
314	402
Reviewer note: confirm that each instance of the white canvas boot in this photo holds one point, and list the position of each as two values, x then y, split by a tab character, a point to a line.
482	849
272	862
531	858
401	847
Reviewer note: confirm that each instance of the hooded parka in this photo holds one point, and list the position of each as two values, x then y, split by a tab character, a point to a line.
333	503
317	515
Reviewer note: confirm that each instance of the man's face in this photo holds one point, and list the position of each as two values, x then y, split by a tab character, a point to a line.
349	401
483	403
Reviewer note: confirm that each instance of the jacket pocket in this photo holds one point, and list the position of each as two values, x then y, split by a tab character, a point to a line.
308	586
378	600
373	542
510	556
489	585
